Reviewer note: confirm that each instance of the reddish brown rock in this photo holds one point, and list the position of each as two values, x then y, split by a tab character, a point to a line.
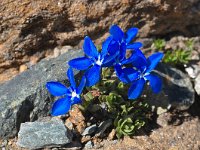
112	134
33	28
77	119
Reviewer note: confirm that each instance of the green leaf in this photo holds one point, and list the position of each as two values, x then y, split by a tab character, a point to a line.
159	44
88	96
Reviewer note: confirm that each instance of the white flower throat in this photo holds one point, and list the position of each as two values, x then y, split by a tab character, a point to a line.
99	61
74	94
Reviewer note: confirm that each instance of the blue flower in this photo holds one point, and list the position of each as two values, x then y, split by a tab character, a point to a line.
123	41
138	77
125	38
93	61
70	95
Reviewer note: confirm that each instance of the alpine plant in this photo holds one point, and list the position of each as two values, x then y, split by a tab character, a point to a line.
135	70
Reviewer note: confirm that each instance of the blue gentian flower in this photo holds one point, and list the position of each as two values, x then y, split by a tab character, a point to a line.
93	61
70	95
138	77
120	43
123	40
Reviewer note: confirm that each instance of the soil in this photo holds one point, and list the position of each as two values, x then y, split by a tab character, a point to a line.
183	137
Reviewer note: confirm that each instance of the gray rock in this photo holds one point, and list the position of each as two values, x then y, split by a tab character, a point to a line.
147	42
193	70
89	130
46	133
163	119
25	98
74	145
103	126
89	144
177	89
197	84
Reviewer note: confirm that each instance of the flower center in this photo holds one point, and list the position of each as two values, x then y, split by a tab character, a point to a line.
74	94
143	74
99	61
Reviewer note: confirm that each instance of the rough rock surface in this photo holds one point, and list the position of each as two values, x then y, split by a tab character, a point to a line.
103	126
45	133
89	130
197	84
29	29
25	97
177	89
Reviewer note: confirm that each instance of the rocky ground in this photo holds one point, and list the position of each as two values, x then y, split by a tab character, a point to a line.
170	128
181	133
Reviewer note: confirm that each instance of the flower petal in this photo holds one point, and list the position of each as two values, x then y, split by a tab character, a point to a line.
81	85
122	54
135	45
139	53
110	59
89	48
114	47
93	75
76	100
155	83
80	63
139	61
126	75
70	76
120	74
117	33
130	34
153	60
61	106
136	89
130	59
105	46
131	74
56	88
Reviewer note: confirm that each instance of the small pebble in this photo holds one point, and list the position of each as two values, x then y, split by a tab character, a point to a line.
111	135
22	68
89	130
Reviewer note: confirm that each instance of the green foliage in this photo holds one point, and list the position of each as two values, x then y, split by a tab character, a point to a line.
107	73
159	44
126	126
178	56
113	100
128	116
131	118
189	45
175	56
88	97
